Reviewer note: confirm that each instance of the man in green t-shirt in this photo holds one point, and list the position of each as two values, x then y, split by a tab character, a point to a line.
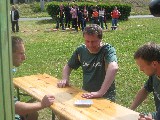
147	58
98	62
27	111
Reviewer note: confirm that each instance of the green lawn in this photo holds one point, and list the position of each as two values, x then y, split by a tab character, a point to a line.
48	52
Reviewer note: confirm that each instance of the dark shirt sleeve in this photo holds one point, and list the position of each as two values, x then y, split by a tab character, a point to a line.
158	114
149	84
111	55
74	61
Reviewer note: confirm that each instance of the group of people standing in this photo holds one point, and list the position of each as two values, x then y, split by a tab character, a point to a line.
100	17
79	17
73	14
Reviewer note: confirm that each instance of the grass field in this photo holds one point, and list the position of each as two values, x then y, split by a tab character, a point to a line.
48	52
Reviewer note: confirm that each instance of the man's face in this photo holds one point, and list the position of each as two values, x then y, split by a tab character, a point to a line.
92	43
148	68
19	55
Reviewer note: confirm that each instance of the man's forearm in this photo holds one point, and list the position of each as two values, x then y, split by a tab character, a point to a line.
109	78
22	108
140	97
66	72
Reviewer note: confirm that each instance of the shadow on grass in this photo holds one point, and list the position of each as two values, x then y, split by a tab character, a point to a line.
46	21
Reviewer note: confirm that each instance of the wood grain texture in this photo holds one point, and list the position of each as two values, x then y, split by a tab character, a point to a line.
101	109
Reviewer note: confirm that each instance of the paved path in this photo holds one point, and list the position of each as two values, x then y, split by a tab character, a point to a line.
141	16
41	18
48	18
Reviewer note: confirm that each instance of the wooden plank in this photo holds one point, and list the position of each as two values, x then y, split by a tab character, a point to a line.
102	109
6	99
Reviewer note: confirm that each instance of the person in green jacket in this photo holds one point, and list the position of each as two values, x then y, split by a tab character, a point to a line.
99	65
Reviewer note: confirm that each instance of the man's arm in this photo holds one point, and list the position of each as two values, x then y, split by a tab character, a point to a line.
140	97
65	76
23	108
109	78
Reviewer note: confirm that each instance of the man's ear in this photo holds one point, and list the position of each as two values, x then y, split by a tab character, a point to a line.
155	63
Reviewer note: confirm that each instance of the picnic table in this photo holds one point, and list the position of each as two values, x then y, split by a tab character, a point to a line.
102	109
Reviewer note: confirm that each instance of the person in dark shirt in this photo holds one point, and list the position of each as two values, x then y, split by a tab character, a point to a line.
68	16
99	65
147	58
14	19
80	18
60	17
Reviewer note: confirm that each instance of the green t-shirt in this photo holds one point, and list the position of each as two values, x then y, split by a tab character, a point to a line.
93	66
153	85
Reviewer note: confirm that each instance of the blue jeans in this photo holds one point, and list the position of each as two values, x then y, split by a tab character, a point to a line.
114	21
83	24
101	19
60	22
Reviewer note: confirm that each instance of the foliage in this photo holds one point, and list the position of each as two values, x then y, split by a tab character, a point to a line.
125	9
30	10
48	52
36	7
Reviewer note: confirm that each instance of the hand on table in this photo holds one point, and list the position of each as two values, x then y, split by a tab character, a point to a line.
144	117
92	95
47	100
62	83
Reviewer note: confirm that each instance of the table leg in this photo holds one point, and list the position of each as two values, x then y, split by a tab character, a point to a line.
18	94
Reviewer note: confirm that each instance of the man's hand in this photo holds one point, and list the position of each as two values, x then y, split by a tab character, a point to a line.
144	117
92	95
62	83
47	101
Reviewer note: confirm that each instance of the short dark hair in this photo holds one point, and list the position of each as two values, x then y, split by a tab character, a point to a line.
148	52
15	42
93	29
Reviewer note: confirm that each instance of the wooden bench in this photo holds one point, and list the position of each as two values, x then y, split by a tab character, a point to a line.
101	109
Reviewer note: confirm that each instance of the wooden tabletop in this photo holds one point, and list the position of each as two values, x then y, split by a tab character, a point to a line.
101	109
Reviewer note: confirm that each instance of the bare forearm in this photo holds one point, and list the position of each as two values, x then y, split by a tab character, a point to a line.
109	78
66	72
22	108
140	97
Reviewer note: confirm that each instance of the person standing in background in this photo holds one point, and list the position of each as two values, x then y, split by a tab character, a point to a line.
68	16
101	17
105	18
74	17
95	15
60	17
115	14
85	18
14	19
